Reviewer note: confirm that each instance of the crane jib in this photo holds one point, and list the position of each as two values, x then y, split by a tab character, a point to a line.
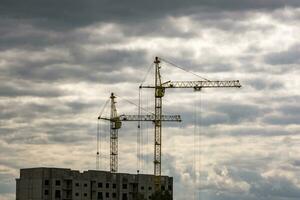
197	84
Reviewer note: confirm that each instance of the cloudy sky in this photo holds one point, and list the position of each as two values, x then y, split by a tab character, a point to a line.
59	61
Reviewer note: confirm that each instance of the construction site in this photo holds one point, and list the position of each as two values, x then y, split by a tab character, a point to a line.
97	184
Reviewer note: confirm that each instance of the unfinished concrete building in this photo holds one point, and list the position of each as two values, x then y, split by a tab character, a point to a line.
67	184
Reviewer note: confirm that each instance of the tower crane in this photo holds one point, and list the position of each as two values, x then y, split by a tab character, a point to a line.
116	123
159	91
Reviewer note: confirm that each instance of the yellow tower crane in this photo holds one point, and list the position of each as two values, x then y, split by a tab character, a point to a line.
159	91
116	123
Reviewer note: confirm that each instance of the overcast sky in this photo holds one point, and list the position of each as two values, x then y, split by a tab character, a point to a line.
59	61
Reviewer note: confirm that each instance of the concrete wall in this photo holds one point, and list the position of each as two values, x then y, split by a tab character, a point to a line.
66	184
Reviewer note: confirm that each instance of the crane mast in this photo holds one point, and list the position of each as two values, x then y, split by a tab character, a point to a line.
159	88
159	93
114	126
116	123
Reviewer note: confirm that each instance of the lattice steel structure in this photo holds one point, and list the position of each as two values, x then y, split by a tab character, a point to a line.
159	91
116	123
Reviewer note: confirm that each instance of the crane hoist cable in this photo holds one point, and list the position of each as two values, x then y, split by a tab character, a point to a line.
98	137
200	145
98	153
174	65
133	104
138	136
147	136
194	149
103	108
116	123
139	130
148	71
138	133
159	92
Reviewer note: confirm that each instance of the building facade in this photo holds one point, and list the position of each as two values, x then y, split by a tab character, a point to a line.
67	184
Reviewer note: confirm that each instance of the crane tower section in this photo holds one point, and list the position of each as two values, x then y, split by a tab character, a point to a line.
159	91
114	126
116	123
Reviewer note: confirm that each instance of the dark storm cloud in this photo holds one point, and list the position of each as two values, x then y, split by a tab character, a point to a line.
70	13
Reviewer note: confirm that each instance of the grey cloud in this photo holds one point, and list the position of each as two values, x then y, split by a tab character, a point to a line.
46	45
290	109
54	132
265	84
238	112
281	119
296	163
104	66
217	113
30	126
260	187
26	137
6	187
214	119
288	100
284	99
261	132
30	36
32	111
285	114
11	90
292	18
109	59
288	57
276	187
78	107
49	73
23	34
245	173
78	13
216	65
227	21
